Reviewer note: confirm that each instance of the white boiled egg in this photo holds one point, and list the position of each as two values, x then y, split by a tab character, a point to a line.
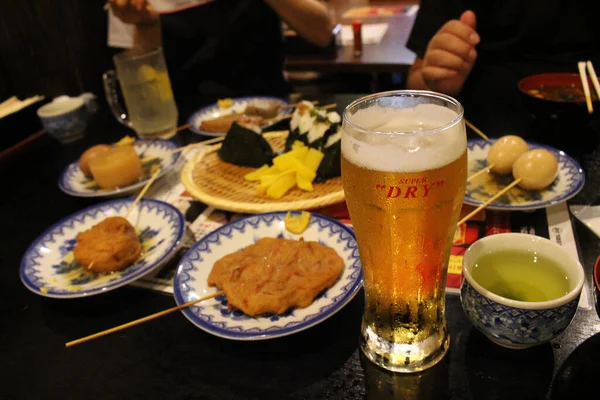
504	152
537	169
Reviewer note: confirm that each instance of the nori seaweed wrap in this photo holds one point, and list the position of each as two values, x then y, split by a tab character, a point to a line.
245	147
331	165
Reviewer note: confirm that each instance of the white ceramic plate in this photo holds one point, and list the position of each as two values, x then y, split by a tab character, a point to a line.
48	267
73	182
239	105
214	317
569	182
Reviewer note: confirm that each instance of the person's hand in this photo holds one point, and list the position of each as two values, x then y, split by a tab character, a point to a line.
134	11
451	54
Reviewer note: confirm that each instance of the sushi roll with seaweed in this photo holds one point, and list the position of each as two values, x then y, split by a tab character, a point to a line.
245	146
331	165
301	119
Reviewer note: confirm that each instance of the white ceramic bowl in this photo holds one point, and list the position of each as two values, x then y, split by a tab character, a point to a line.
519	324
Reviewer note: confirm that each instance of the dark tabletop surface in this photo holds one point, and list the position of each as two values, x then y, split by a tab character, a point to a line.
172	359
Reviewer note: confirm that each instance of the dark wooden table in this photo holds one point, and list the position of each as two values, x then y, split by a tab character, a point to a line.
169	358
389	55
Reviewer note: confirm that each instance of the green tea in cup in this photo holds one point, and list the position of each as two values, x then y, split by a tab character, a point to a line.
521	275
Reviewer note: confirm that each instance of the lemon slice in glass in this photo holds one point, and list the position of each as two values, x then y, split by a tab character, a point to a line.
297	223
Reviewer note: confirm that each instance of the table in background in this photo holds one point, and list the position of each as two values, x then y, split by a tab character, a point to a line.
172	359
389	55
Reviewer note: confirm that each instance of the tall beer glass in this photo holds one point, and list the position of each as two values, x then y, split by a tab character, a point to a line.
404	165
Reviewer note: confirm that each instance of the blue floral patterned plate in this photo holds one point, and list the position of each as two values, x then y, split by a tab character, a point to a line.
567	184
238	106
48	267
213	315
73	182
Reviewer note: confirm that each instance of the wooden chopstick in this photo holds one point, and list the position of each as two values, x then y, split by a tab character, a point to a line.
586	87
476	130
142	192
488	202
594	77
141	320
8	102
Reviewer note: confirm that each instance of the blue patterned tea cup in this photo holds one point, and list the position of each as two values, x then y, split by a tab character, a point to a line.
519	324
65	118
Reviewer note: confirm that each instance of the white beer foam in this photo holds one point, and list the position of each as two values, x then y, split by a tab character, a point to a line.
404	150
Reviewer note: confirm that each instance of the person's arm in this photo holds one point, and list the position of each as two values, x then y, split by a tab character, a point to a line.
146	21
309	18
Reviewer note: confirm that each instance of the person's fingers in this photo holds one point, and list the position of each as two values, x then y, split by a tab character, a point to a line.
139	5
453	44
445	59
461	30
431	73
468	18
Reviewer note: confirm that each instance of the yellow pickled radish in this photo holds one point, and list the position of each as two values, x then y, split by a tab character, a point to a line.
297	223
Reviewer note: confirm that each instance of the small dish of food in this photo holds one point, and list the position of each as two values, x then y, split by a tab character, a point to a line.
216	120
254	172
117	170
555	94
512	160
275	282
96	250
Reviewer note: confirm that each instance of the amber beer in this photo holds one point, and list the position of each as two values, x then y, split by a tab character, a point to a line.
404	165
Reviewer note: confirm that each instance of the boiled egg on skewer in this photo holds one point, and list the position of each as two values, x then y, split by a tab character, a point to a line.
502	155
504	152
533	170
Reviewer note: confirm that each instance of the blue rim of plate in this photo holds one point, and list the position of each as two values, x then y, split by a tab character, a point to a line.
308	321
192	119
73	168
560	155
31	254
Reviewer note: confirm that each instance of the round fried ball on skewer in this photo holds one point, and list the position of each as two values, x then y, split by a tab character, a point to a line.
108	246
536	168
504	152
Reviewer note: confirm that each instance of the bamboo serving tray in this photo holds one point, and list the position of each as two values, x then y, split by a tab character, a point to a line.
222	185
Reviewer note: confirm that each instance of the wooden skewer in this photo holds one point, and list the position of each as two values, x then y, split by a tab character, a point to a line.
476	130
488	202
328	106
142	193
480	172
182	127
183	148
586	87
296	104
141	320
594	77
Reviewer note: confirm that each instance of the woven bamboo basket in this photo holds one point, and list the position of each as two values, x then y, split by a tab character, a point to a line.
222	185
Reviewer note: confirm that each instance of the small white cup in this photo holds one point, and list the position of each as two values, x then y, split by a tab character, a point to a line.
65	118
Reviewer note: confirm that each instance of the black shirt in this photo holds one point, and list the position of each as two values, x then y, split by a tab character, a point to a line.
225	48
518	38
